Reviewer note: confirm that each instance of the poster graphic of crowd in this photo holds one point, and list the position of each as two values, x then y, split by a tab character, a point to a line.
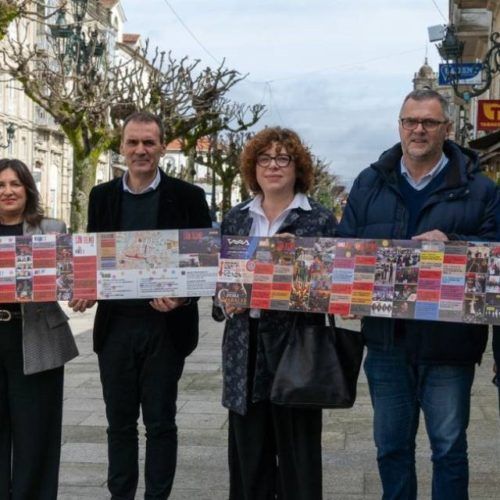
452	281
120	265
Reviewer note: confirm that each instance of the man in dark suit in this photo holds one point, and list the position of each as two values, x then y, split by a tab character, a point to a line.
141	345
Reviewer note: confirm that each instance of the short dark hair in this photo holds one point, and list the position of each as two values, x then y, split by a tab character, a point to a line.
33	212
145	117
286	138
427	94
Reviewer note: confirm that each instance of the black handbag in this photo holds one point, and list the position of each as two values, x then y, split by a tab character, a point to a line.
319	367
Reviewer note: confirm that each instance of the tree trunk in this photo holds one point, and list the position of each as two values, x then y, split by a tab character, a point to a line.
84	171
227	184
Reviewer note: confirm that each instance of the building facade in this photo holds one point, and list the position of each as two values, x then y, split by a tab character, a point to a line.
475	21
38	141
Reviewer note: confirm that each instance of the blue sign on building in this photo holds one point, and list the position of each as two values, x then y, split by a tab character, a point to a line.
468	73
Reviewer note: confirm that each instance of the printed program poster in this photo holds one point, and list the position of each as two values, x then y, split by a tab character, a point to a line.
452	281
120	265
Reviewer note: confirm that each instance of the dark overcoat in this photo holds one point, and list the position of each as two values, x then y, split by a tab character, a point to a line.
315	222
181	206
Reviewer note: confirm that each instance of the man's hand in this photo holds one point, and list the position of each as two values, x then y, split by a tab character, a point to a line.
166	304
81	305
434	235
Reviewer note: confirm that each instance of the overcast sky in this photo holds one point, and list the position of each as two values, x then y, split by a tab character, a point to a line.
336	71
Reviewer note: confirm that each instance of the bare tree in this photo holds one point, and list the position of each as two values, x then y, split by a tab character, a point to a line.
89	94
327	188
224	159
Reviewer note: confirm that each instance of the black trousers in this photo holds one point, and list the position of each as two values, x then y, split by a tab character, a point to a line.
30	423
140	369
274	452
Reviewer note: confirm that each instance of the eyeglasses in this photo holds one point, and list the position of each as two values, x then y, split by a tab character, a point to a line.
428	123
281	161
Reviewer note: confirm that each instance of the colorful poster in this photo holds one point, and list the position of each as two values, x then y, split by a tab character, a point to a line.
452	281
121	265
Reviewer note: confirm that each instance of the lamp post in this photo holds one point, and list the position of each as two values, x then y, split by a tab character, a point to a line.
77	49
451	50
11	131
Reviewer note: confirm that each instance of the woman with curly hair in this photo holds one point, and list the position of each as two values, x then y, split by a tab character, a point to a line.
274	451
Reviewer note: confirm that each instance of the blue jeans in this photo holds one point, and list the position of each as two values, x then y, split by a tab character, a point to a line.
398	391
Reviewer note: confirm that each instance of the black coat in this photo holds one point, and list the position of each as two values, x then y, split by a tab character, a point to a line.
181	206
464	206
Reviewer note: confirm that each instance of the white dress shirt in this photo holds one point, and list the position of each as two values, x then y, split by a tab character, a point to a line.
151	187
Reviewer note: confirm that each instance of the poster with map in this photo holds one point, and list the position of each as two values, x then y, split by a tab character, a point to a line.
119	265
452	281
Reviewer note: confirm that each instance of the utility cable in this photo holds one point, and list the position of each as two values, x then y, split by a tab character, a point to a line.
193	36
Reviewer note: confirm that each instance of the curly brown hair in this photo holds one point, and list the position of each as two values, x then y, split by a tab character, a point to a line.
285	138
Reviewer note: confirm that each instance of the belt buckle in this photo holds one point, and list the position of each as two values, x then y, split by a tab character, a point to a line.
5	315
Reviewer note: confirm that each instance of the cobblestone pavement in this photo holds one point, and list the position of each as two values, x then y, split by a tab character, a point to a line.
349	455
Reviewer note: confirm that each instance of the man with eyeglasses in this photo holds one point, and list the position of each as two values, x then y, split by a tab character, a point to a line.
424	188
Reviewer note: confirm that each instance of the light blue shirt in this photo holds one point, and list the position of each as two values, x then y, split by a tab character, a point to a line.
427	178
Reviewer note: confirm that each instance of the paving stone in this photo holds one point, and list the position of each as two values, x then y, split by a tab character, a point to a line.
83	434
207	407
80	474
200	421
89	404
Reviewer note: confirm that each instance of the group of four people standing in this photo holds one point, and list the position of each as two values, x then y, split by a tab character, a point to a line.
426	188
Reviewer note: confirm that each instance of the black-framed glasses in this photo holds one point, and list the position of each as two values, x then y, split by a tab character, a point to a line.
281	161
428	124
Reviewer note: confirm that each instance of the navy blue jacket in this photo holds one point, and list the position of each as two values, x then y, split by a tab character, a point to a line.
464	207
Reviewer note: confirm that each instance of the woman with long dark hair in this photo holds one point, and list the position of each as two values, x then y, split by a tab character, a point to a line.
35	342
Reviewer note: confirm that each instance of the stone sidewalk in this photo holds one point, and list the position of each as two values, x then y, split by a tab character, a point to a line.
348	454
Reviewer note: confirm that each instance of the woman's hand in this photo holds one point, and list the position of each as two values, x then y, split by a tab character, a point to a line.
231	310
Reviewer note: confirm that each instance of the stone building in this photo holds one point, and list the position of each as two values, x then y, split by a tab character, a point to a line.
38	140
474	22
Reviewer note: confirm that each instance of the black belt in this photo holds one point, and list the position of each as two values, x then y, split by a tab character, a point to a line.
7	315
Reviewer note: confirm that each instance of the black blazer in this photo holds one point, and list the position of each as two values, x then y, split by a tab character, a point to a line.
182	206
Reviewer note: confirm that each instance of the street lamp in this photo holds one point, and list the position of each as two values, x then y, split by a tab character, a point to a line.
11	130
451	50
74	47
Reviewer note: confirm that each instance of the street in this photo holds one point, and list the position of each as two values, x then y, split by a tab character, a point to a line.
349	464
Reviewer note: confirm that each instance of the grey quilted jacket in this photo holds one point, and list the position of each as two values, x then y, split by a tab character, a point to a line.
47	339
